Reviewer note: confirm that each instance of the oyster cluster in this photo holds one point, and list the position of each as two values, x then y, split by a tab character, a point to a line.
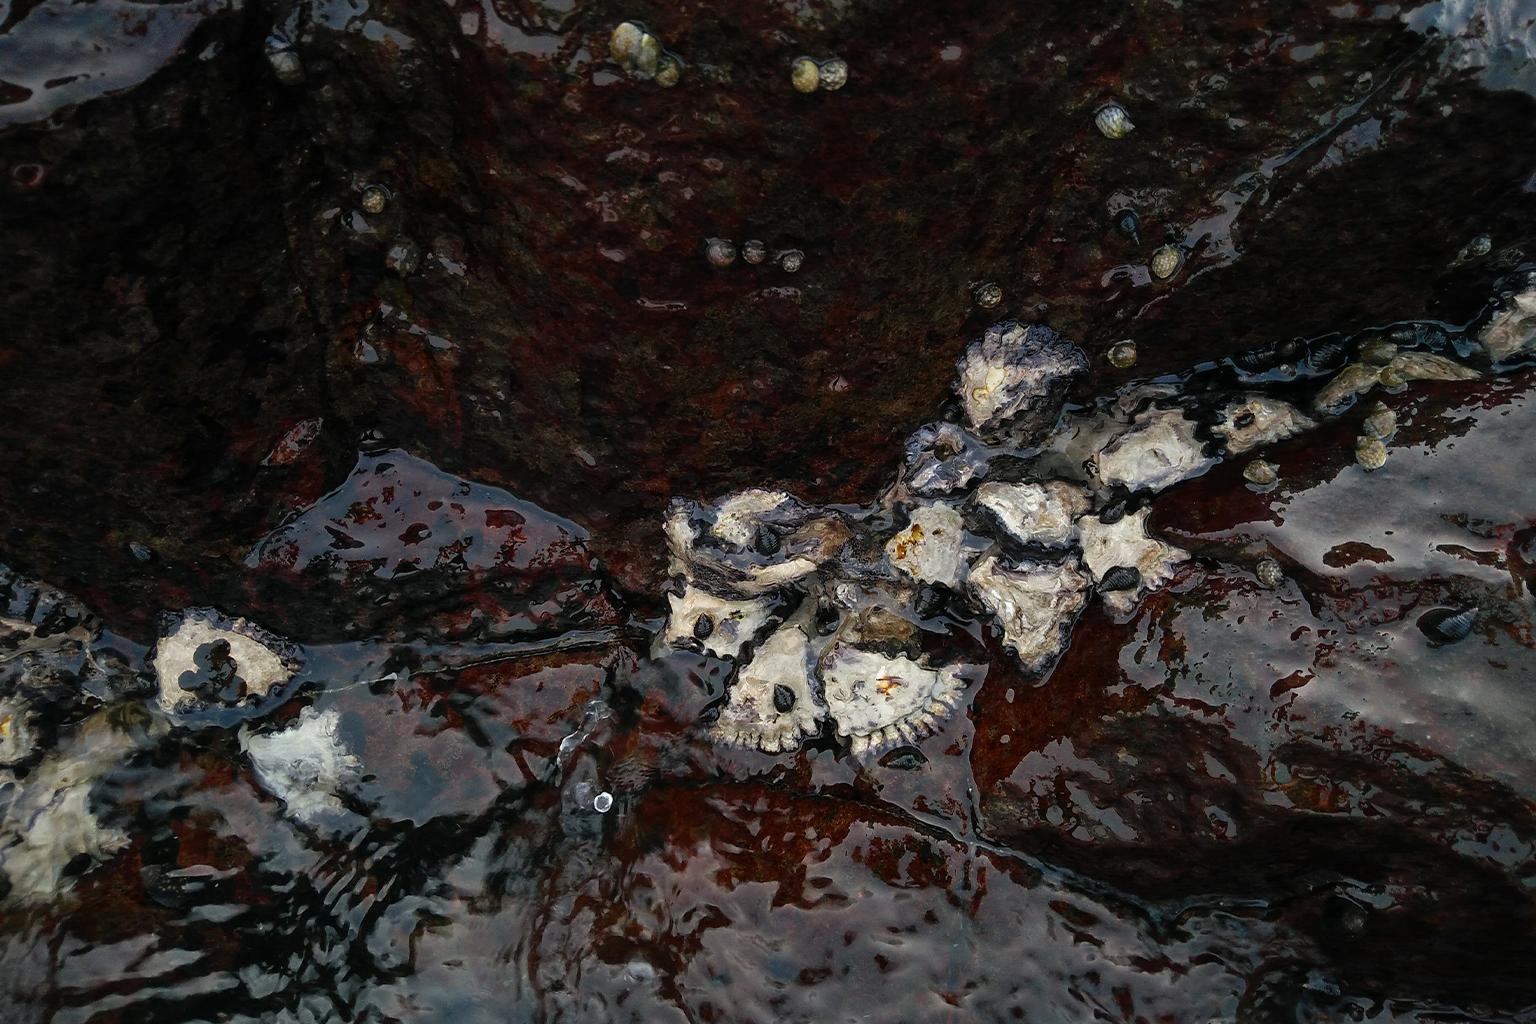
1013	510
832	616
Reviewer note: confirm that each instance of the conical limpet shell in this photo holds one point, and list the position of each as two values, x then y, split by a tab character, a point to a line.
1112	121
1165	262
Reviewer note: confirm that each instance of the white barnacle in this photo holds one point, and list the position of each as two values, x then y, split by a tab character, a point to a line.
1158	451
774	703
1035	604
1125	544
1036	513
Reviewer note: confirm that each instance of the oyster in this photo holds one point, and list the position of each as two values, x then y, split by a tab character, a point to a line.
305	765
1512	329
1036	513
1035	603
877	700
1019	373
716	625
774	703
1158	451
1354	379
1428	366
931	548
942	458
1255	420
210	660
1125	543
750	543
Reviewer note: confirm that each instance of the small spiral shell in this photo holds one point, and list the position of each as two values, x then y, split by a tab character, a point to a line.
1122	354
791	260
1112	121
1371	453
1165	262
1269	572
1381	423
669	70
720	252
625	42
988	295
1261	473
754	251
833	74
805	75
374	199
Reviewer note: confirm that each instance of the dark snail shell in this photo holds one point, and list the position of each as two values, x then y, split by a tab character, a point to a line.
1447	625
1121	577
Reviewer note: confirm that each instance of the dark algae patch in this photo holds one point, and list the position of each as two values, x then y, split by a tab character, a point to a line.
800	511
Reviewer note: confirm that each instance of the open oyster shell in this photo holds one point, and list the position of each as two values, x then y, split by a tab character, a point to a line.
775	701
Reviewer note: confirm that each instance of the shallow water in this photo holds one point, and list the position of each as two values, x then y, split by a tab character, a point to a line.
488	792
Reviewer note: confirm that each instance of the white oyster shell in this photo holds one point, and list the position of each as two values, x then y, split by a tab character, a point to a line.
931	548
1428	366
1513	328
1035	604
787	660
1109	545
1158	451
1036	513
262	667
740	514
878	701
1255	420
1015	369
732	622
306	765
